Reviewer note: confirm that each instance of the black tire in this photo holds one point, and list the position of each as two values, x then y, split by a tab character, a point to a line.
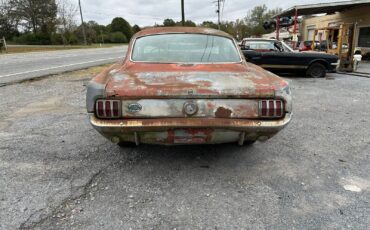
247	143
316	70
124	144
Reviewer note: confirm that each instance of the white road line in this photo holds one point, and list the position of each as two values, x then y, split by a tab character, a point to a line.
56	67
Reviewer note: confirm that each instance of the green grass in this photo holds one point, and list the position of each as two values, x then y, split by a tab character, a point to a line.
35	48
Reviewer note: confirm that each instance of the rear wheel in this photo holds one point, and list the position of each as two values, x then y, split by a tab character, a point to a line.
246	143
124	144
249	142
316	70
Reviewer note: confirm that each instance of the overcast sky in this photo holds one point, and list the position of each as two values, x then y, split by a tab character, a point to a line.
148	12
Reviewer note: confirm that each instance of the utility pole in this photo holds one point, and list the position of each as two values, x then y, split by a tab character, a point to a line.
218	12
82	23
182	13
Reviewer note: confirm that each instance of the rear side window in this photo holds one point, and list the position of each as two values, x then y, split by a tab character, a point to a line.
259	45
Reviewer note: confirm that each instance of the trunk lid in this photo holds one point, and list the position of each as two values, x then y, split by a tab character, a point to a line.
192	81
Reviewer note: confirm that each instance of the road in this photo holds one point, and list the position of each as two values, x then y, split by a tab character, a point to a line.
22	66
57	172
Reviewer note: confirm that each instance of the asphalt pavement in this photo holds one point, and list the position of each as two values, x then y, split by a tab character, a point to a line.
57	172
23	66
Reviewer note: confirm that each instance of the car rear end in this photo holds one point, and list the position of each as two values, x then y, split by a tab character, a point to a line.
190	121
193	107
152	99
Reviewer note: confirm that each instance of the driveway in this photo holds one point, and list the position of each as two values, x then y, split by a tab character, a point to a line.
56	172
364	67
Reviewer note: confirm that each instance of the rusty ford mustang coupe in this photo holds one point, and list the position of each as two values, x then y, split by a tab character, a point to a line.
184	85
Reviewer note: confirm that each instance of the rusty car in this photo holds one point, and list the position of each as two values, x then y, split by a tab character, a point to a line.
183	85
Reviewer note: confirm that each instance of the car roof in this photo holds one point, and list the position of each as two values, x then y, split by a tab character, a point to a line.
259	39
180	29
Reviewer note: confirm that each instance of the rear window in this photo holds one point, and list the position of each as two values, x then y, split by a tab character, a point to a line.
185	48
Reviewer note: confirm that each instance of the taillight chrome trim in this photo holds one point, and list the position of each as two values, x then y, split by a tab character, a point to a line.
105	108
264	108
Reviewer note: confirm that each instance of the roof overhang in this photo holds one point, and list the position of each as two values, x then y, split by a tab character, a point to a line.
320	8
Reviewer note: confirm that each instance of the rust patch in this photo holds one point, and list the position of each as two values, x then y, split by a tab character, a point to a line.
189	136
223	113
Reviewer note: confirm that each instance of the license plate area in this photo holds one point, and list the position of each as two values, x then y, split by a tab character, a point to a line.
191	136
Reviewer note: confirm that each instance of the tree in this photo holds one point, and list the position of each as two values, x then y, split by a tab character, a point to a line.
209	24
121	25
187	23
91	35
8	24
118	37
190	23
67	12
169	22
240	29
228	27
38	15
136	28
256	17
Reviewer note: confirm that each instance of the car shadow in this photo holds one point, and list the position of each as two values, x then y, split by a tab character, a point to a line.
292	75
193	156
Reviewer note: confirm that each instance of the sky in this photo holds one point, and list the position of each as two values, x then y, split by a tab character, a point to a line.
149	12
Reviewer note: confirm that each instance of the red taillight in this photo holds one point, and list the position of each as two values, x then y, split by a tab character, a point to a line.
115	110
271	108
108	108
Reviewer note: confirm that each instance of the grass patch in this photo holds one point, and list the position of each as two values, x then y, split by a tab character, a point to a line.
29	48
92	71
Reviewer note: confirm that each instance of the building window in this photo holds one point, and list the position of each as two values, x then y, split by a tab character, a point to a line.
310	32
364	37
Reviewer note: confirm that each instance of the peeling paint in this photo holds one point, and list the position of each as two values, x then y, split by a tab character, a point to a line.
223	112
226	96
239	108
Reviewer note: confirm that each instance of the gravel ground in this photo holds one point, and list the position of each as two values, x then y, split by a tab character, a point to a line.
56	172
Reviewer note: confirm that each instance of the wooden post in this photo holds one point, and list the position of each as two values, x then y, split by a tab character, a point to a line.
3	45
295	28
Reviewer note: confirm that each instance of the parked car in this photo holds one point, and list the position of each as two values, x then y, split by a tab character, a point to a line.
278	57
284	22
184	85
307	45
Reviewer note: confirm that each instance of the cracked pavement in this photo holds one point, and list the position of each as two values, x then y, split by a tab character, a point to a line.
56	172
